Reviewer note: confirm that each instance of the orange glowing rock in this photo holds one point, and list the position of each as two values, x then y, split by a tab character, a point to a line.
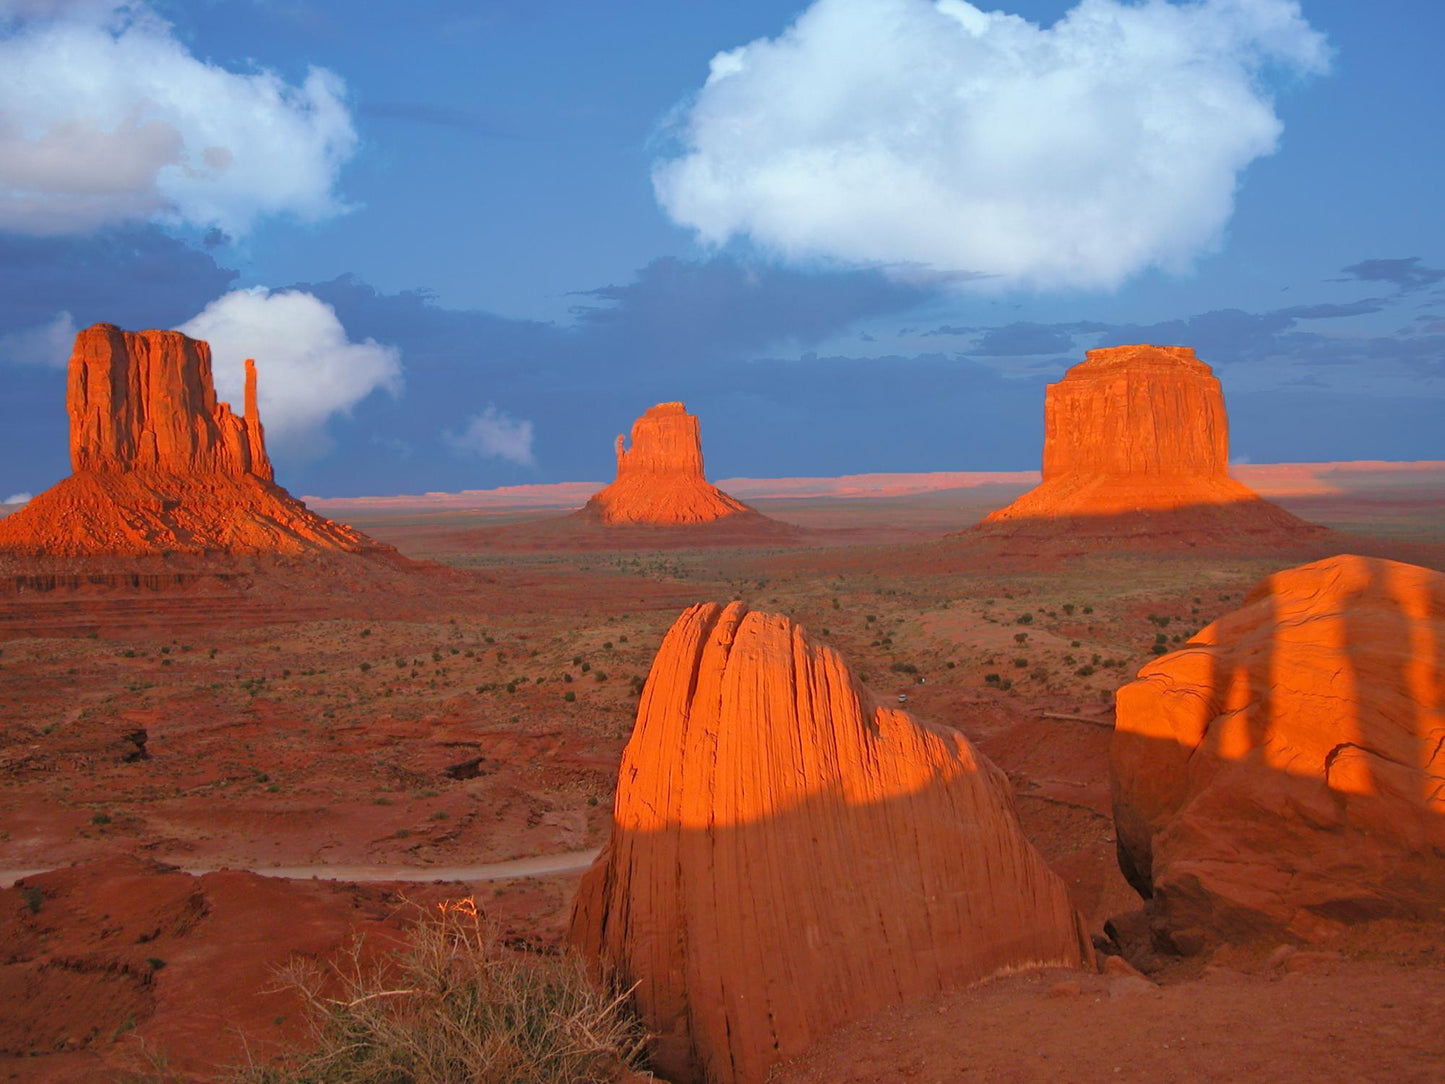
787	854
1138	430
660	478
160	466
1285	769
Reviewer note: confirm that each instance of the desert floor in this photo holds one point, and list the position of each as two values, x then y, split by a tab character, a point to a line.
355	733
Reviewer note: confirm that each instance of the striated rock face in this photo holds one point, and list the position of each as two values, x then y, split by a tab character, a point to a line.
1140	430
160	466
146	401
660	478
787	855
1285	770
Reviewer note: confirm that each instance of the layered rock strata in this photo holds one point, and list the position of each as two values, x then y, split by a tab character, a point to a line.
787	854
660	477
1284	772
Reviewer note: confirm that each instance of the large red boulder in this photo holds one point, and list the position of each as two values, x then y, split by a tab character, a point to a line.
660	478
1136	441
787	854
160	466
1284	772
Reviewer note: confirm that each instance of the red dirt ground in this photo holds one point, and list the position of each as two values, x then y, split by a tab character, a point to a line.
301	713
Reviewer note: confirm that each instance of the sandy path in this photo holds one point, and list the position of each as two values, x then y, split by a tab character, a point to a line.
537	866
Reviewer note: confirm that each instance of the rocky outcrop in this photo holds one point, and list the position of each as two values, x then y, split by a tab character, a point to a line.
145	400
1284	771
1136	440
160	466
660	478
787	854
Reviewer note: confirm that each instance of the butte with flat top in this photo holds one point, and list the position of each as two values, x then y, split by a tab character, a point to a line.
1136	443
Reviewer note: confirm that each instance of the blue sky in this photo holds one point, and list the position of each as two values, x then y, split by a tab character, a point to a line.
469	242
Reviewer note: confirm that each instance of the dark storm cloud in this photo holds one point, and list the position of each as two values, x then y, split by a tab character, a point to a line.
1023	340
136	278
1330	312
679	331
679	311
1405	274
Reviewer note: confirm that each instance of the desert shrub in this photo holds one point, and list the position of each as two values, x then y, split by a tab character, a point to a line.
450	1004
569	696
1025	619
903	668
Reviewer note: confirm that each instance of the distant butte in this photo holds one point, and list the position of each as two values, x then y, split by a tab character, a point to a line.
161	467
660	478
1136	441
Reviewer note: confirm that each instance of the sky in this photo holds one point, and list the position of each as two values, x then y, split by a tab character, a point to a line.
469	242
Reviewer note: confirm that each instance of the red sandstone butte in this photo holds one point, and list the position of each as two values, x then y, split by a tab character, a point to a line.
160	466
788	855
1140	431
660	478
1284	772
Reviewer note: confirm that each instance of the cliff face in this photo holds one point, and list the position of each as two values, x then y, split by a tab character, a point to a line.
146	401
660	478
787	855
160	466
1136	442
1285	769
1136	412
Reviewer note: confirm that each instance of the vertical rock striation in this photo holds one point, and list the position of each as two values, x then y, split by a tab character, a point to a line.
160	466
787	855
660	478
1137	440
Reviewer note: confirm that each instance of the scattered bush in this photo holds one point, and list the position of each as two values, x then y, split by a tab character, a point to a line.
101	817
569	696
452	1004
903	668
1025	619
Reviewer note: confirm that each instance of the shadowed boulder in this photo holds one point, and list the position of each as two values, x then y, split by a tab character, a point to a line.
1284	772
787	854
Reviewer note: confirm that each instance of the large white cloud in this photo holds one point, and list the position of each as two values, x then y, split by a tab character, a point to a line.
307	369
494	434
935	134
106	117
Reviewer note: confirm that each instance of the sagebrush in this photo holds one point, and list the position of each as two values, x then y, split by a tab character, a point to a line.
451	1005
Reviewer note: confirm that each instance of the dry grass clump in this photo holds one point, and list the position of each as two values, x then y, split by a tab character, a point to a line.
451	1005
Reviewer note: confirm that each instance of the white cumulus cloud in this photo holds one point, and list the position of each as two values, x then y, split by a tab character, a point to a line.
307	369
494	434
48	344
106	117
18	498
912	132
